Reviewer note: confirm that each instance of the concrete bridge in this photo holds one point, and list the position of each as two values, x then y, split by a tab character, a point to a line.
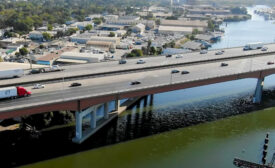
96	92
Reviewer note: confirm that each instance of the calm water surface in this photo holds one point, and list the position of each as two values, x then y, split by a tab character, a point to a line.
212	145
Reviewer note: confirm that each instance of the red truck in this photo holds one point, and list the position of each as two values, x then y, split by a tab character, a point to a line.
13	92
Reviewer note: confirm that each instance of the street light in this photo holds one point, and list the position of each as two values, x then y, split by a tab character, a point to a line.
171	77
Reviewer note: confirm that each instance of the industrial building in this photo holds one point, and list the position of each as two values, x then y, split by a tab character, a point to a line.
76	57
103	45
174	29
139	28
49	58
114	40
198	24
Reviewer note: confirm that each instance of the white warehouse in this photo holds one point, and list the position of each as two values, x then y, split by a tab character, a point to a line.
75	57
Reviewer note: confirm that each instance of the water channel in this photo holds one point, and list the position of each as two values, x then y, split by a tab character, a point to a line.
174	131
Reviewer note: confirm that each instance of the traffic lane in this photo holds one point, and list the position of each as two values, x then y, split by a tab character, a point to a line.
238	65
150	61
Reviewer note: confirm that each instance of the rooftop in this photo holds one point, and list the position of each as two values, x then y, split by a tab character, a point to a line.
184	23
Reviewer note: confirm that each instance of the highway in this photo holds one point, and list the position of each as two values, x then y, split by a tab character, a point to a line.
93	87
108	68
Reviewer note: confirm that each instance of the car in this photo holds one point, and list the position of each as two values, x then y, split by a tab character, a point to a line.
219	53
35	71
38	86
75	84
140	62
175	71
224	64
179	56
135	83
203	52
168	56
270	62
264	49
122	62
184	72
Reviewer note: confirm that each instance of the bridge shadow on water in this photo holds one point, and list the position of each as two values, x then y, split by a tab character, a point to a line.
147	117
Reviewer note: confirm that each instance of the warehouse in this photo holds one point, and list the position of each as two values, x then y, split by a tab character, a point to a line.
174	29
103	45
76	57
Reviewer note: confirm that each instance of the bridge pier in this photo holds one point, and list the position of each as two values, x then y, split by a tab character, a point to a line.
151	99
95	123
258	91
117	104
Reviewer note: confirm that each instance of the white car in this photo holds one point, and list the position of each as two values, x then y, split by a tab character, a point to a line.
140	62
203	52
38	86
219	52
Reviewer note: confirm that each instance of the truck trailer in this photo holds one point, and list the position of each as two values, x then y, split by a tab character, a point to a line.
13	73
13	92
253	46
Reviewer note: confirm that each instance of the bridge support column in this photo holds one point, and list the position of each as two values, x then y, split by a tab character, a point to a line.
93	119
258	91
106	110
79	117
151	99
78	125
117	104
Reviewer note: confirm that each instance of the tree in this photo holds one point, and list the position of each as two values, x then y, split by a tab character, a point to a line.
158	22
211	25
1	59
153	50
17	54
112	34
50	27
47	36
88	27
71	31
23	51
97	21
195	31
135	53
148	46
9	34
41	46
59	34
239	10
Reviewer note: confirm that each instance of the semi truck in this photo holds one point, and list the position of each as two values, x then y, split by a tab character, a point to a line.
253	46
13	73
53	68
13	92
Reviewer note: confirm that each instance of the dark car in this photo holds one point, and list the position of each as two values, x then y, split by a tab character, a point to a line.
270	62
175	71
75	84
135	82
224	64
169	55
35	71
122	62
184	72
264	49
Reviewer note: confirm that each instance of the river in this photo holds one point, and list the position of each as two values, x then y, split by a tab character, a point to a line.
175	131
